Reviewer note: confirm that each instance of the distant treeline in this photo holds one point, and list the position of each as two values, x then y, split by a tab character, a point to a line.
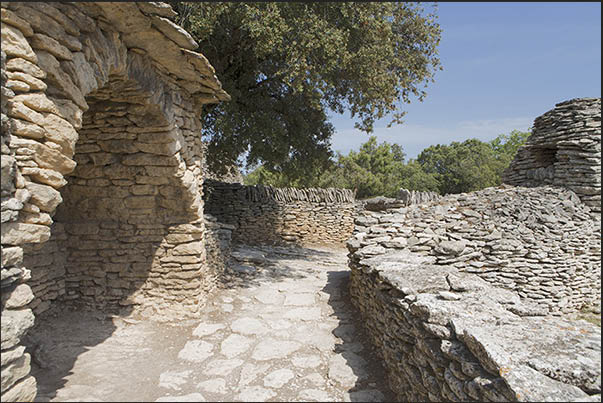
381	169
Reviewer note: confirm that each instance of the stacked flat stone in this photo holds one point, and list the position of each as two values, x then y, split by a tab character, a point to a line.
404	198
269	215
564	150
540	242
218	238
101	165
445	335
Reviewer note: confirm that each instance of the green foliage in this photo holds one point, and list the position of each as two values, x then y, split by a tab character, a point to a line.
460	167
285	64
472	164
380	169
505	146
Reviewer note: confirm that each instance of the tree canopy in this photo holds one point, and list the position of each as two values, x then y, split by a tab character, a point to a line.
287	64
381	169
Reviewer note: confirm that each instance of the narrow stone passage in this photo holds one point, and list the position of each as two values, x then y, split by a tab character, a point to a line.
282	328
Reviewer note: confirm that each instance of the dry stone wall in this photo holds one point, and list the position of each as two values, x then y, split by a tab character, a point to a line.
540	242
563	150
101	165
445	335
267	215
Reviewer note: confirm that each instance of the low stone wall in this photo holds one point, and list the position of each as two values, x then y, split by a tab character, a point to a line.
450	336
267	215
563	150
540	242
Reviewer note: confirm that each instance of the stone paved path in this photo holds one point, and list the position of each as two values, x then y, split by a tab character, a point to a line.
282	329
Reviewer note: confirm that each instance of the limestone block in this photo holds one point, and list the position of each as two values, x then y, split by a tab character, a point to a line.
45	176
20	233
160	149
155	137
12	256
65	22
17	86
22	65
175	33
11	355
157	8
17	298
84	73
14	44
26	129
140	202
60	79
192	248
15	371
15	323
44	42
8	172
81	20
44	24
43	196
20	111
145	159
23	391
69	111
13	19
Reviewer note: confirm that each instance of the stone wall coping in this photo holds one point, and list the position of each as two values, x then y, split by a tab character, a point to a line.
539	357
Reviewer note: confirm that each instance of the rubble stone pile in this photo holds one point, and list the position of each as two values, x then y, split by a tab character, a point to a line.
540	242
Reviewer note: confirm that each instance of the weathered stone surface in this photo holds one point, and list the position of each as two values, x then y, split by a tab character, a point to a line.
15	44
205	329
18	297
19	64
267	215
15	323
216	385
270	349
47	157
564	150
15	371
12	256
23	391
27	129
222	367
44	42
43	196
20	233
11	355
191	397
447	334
234	345
196	351
278	378
9	17
248	326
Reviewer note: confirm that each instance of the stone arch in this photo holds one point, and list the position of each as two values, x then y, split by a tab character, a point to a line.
100	143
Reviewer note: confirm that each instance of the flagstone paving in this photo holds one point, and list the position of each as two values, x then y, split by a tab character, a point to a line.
285	331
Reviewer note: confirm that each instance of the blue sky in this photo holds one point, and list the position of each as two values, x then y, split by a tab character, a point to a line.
504	65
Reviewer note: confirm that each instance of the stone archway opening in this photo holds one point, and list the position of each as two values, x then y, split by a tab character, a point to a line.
128	232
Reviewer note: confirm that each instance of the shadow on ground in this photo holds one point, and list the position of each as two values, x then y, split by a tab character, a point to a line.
355	346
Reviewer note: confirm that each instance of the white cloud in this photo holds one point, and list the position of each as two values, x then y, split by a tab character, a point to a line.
414	138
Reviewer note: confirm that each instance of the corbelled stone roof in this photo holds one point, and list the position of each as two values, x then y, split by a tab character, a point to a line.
148	26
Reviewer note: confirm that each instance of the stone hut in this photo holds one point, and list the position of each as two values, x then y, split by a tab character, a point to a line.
101	166
564	150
